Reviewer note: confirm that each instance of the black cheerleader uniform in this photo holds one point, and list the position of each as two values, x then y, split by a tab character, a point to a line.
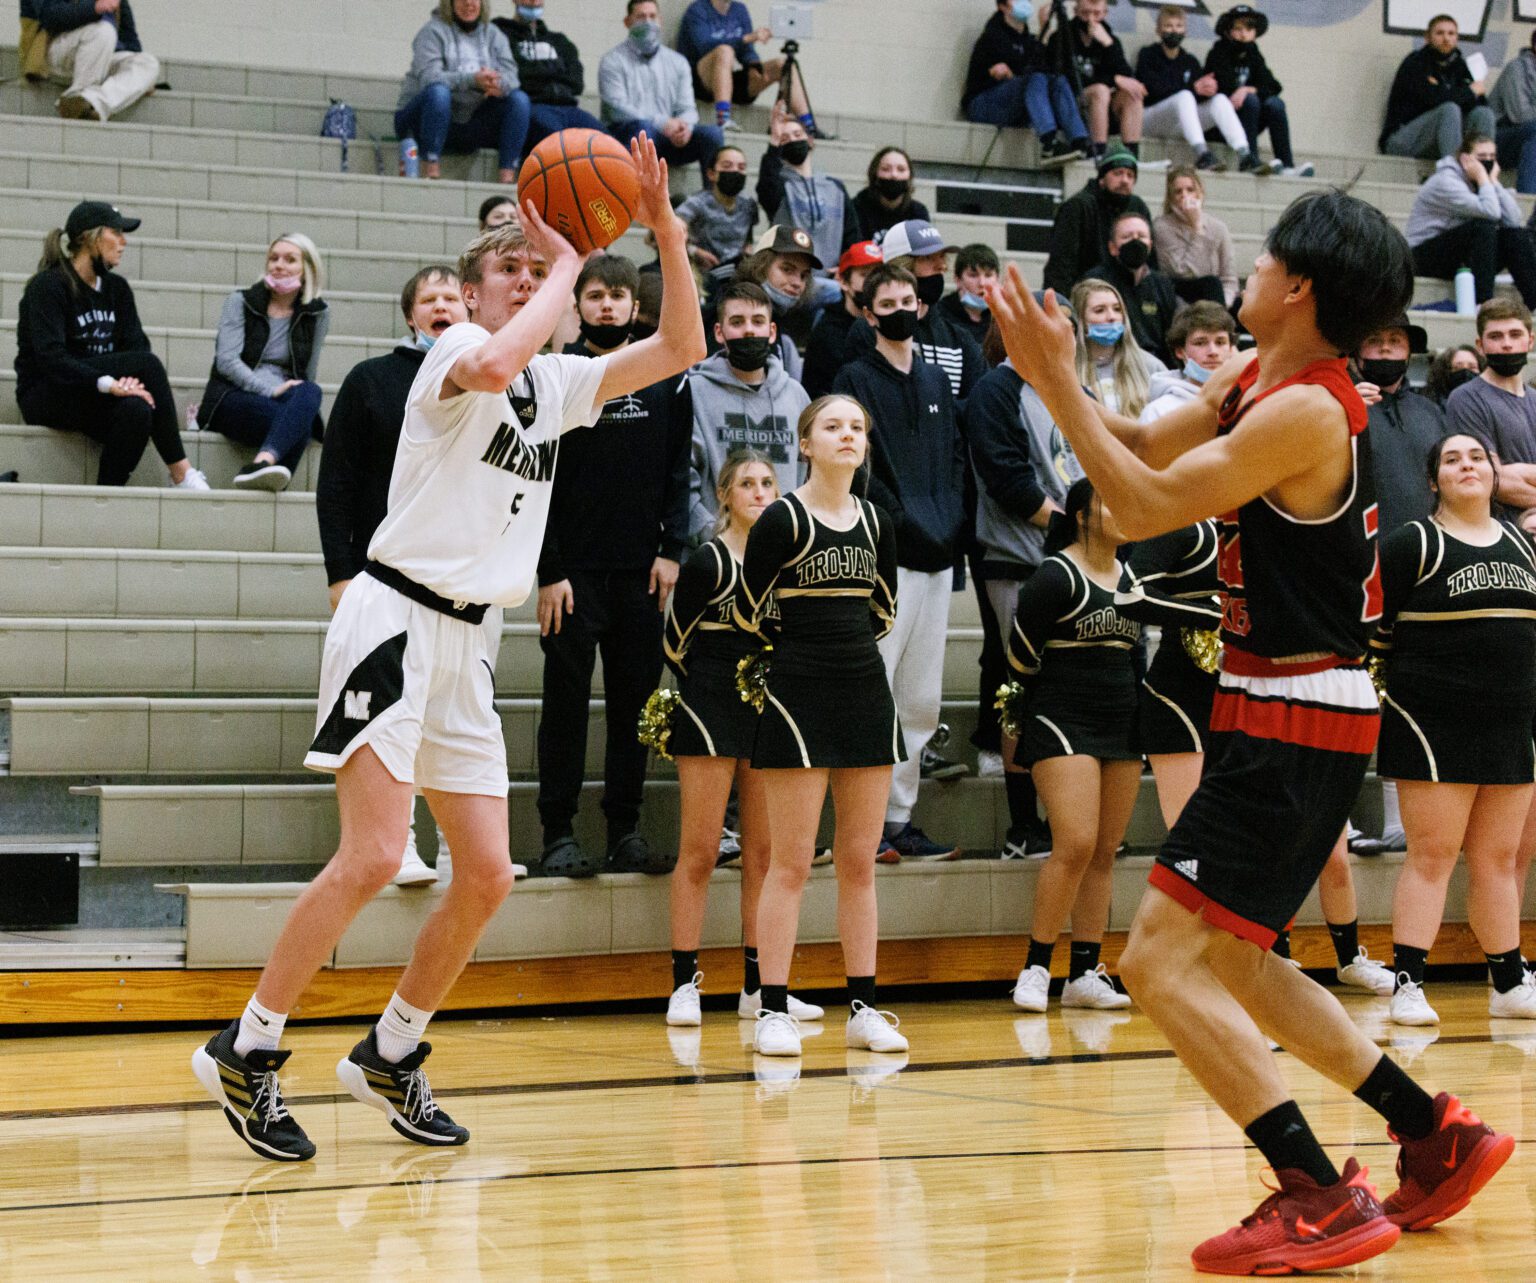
1171	581
703	645
828	701
1458	633
1071	640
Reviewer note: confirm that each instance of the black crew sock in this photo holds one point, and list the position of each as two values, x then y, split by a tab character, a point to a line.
1085	957
1410	961
1282	945
1040	954
1283	1137
1507	970
685	965
751	981
1407	1107
861	989
1134	149
1023	814
1346	940
776	998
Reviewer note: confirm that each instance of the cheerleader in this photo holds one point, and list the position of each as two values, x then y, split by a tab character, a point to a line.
1458	632
711	737
828	719
1078	739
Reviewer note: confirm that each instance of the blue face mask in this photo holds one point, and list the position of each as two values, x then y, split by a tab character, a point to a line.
1106	334
973	301
1023	10
1195	372
646	37
424	340
781	301
530	12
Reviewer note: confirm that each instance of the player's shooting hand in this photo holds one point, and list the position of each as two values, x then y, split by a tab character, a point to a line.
663	580
1040	341
543	239
556	601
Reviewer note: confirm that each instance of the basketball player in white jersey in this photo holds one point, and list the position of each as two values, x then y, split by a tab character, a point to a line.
406	683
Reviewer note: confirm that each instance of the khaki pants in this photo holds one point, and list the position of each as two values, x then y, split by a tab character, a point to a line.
86	59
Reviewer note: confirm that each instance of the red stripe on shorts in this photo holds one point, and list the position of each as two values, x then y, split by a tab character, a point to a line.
1202	906
1242	663
1335	730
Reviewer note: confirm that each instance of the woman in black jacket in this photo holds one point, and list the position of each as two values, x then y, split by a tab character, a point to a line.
83	362
262	390
887	200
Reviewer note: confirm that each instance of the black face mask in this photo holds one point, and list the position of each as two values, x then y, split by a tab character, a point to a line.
1134	255
930	289
891	188
795	152
748	354
605	337
1458	377
1172	39
730	183
465	27
641	330
1382	372
100	264
898	326
1507	364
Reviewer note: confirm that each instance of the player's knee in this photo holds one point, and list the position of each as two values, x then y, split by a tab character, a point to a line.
367	866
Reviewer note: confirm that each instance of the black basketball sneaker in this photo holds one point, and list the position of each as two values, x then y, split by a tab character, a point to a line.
400	1092
246	1087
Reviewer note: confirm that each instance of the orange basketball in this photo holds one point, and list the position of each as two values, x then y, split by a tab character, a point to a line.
583	184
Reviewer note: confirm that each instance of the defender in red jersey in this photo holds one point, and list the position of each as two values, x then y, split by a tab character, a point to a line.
1274	447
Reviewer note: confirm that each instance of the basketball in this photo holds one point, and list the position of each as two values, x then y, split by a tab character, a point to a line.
583	184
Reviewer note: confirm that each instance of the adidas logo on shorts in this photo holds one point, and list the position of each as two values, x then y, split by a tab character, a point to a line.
1189	868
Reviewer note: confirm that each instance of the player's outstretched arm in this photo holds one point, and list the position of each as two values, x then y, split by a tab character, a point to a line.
679	339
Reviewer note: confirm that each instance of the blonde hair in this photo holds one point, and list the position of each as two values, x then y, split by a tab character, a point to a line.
311	264
496	240
1176	173
1128	366
735	461
59	251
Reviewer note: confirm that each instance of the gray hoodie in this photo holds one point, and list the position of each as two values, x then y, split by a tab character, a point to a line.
1514	96
441	53
654	89
1170	390
729	414
1446	201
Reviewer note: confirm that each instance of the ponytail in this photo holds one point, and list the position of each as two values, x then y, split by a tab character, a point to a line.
58	252
53	250
1070	524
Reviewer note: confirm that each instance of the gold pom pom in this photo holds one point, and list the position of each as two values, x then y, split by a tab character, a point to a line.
1010	707
1376	666
752	677
1203	645
655	730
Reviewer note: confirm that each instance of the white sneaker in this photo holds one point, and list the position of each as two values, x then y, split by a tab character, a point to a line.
730	850
1518	1004
686	1045
823	856
194	480
749	1004
874	1030
1409	1005
1368	974
1303	170
414	871
1032	989
683	1005
775	1034
1274	167
989	765
1094	989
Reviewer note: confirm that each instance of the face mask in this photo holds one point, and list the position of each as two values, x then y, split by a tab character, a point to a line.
930	289
1133	255
795	151
749	353
1106	334
891	188
604	337
781	301
1172	39
530	12
973	301
646	37
730	183
282	284
1507	364
1195	372
1022	10
898	326
463	26
1383	373
100	264
424	340
1458	377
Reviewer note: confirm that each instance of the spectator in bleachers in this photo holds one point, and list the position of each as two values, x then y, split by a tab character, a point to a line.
741	396
1201	337
888	198
1499	407
976	267
1008	83
462	92
1182	100
1194	247
1113	99
790	191
618	524
1464	217
647	306
263	390
1148	292
720	43
1110	363
83	362
1083	221
1449	369
1403	425
783	264
1245	78
829	347
721	217
91	46
1513	103
496	210
647	88
549	71
916	474
1434	102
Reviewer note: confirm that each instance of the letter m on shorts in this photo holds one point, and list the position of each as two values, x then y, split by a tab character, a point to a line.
372	687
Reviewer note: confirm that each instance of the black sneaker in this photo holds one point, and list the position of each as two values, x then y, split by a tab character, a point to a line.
247	1090
400	1092
933	767
1027	844
633	854
1207	161
1248	163
913	844
263	476
565	857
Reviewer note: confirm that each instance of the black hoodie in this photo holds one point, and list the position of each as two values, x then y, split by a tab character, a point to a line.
1080	236
64	323
548	65
1423	82
1096	64
1236	64
1019	51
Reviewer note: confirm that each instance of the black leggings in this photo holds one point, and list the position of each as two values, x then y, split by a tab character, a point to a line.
1486	247
123	425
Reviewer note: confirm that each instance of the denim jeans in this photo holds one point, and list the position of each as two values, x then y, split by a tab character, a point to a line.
501	123
706	141
545	120
1258	115
280	425
1044	102
1517	151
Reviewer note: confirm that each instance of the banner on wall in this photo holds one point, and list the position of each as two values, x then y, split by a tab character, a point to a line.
1411	17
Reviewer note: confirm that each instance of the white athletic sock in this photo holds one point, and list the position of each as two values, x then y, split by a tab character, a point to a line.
1391	810
259	1028
399	1030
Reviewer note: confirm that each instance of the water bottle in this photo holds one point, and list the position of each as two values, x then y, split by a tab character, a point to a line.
410	160
1466	293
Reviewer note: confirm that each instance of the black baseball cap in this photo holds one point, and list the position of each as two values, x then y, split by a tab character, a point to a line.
97	213
783	239
1247	13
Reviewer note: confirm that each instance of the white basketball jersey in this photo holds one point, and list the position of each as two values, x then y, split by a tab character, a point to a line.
469	494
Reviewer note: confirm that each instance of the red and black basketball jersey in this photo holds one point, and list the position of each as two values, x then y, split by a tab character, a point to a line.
1307	592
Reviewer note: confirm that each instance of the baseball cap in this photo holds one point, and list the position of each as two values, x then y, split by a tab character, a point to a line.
1118	159
1418	340
97	213
915	236
783	239
860	254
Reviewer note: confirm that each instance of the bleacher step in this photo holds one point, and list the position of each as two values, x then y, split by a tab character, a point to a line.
92	949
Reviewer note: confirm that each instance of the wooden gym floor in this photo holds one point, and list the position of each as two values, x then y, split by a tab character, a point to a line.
1069	1146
